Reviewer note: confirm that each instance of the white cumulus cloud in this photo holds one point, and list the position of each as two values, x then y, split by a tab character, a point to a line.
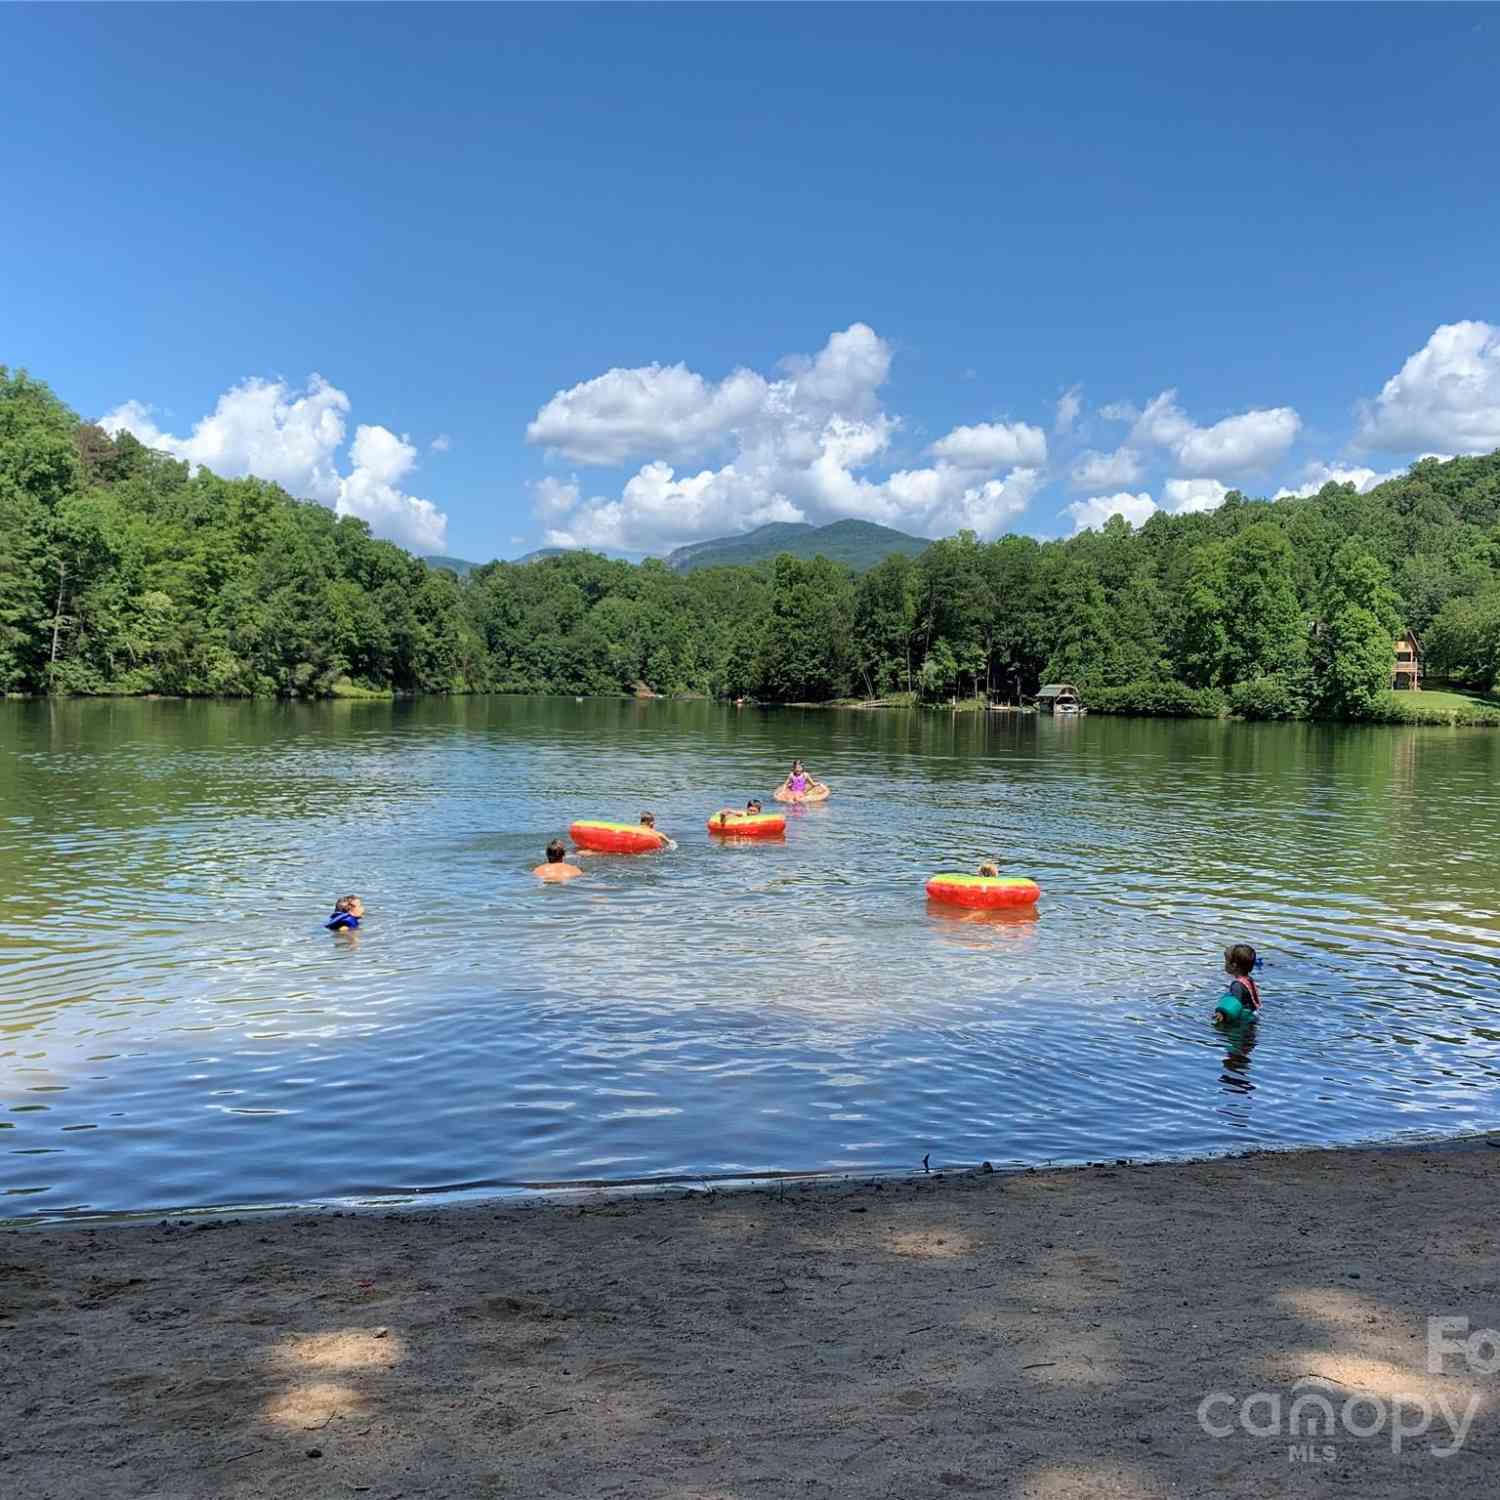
1137	509
1069	404
624	414
1240	444
291	437
554	497
989	445
797	447
1186	496
1446	395
441	443
1236	445
372	491
1316	475
1097	471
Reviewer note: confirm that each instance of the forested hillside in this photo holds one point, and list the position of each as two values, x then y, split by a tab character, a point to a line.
121	572
859	545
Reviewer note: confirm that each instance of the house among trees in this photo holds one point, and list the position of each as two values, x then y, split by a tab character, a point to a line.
1407	671
1058	698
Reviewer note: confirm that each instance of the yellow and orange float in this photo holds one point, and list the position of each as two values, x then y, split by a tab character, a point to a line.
817	792
745	825
985	892
616	838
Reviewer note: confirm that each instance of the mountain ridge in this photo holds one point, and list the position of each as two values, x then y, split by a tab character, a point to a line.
860	545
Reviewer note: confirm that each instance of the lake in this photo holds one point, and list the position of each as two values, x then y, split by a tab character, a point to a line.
178	1031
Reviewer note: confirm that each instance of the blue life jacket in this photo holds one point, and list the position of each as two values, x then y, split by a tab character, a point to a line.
343	919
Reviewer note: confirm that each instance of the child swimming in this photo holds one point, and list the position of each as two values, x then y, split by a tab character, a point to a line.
648	820
990	871
1241	1001
557	867
347	914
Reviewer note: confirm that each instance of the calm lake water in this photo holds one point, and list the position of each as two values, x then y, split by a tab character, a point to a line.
177	1029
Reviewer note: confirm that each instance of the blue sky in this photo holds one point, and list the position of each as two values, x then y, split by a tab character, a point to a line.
625	275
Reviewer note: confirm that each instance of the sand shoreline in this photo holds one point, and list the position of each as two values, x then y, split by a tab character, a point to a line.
1043	1333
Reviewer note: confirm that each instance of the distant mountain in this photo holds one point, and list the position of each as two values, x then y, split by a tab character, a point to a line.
858	544
613	553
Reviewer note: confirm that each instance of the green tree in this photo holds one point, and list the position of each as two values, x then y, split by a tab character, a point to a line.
1265	631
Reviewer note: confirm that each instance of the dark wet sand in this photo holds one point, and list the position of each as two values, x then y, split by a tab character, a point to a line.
1047	1335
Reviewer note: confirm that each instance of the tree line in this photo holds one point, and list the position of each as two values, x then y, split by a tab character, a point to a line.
122	571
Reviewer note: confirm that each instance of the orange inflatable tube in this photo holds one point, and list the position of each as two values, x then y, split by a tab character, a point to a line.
816	793
749	825
983	891
616	838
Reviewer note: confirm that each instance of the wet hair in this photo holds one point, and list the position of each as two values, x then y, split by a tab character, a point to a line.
990	870
648	819
1239	959
753	805
557	851
796	764
346	903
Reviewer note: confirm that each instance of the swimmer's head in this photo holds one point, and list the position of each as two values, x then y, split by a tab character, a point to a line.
796	766
557	851
349	905
1239	960
752	806
648	820
992	872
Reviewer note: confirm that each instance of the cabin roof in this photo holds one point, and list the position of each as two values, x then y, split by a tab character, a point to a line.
1055	689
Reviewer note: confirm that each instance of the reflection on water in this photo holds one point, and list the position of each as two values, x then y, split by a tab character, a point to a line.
177	1029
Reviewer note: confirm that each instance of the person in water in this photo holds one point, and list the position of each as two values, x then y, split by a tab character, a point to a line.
990	871
648	820
799	784
557	866
752	808
348	912
1241	1000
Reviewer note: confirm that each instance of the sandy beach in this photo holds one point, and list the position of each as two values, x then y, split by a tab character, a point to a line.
1050	1334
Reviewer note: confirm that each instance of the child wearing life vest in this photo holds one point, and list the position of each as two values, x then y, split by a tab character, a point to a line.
348	912
1241	999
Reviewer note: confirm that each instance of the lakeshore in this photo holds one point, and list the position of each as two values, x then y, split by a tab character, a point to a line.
1047	1334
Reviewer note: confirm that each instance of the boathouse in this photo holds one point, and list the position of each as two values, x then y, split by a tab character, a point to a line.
1058	698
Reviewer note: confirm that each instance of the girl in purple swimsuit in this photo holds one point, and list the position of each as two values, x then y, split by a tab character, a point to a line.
799	785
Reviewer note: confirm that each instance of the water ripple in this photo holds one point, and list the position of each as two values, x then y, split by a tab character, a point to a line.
176	1029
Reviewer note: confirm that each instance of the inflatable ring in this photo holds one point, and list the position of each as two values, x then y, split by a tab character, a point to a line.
749	825
817	793
987	891
616	838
